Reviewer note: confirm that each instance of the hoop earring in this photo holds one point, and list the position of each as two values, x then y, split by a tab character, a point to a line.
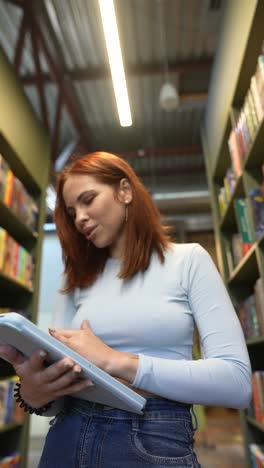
126	213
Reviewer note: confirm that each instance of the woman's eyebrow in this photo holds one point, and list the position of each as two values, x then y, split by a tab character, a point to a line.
80	197
84	194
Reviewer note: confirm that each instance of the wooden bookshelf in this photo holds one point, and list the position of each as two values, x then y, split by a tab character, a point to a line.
255	424
9	427
243	56
25	147
17	229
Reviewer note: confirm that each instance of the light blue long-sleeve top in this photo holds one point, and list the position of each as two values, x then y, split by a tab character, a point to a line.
153	315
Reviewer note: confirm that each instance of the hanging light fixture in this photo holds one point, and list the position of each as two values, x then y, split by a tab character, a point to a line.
169	98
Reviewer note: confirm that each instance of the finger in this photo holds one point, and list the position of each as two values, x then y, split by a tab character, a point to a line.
62	332
60	379
11	355
68	378
37	359
73	387
61	338
85	325
59	368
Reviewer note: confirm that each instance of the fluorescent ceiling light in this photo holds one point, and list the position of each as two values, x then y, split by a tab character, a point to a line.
115	60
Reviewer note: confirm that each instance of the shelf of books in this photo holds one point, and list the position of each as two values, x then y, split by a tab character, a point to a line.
19	246
237	188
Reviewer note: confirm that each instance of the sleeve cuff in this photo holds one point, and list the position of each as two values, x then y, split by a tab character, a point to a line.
144	371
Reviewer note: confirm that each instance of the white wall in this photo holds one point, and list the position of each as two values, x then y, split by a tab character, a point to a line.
50	279
50	282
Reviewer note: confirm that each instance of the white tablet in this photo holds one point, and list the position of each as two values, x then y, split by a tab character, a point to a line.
27	337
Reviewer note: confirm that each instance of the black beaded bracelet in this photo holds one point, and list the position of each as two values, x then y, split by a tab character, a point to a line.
25	406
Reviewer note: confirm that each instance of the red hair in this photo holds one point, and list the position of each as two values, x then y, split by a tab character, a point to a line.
144	231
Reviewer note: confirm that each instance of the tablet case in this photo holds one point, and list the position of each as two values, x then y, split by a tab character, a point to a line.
27	337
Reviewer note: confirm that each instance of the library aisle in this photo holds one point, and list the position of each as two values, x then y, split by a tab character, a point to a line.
219	445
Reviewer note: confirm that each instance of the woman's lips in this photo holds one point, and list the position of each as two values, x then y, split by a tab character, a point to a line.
92	234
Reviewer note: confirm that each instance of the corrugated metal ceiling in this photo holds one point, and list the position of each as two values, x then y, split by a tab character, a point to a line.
191	35
73	34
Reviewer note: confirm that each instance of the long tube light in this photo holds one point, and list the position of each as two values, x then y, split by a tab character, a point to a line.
107	10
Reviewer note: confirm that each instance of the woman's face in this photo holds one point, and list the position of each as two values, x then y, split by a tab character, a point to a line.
98	211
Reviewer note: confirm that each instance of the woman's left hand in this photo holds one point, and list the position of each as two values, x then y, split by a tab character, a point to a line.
85	343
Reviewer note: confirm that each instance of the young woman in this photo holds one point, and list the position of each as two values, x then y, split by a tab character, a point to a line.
129	304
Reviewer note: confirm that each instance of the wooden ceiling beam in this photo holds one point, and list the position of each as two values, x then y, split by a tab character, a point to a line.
23	29
57	76
40	84
87	74
56	129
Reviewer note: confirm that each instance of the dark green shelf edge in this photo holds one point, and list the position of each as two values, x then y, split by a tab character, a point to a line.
9	427
12	283
253	158
255	423
242	264
236	194
255	151
18	167
13	224
245	259
255	341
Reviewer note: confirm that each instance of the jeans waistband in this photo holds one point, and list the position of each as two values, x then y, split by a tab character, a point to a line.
153	405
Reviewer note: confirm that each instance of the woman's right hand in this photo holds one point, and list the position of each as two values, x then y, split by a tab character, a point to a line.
40	383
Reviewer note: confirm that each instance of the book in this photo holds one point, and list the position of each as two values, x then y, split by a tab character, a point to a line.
256	198
234	151
243	222
259	301
3	237
19	332
257	455
237	248
4	167
256	99
257	396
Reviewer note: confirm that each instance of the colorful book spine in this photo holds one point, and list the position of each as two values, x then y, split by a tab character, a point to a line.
257	392
259	301
4	167
9	188
3	237
259	75
16	197
8	404
256	197
256	99
235	155
237	248
15	261
244	224
11	461
257	455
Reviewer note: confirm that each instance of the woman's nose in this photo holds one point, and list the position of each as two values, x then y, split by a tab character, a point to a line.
81	217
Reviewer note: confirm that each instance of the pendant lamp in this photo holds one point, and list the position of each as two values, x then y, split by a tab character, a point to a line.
169	97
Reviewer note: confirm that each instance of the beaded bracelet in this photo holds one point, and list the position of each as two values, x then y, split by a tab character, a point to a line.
25	406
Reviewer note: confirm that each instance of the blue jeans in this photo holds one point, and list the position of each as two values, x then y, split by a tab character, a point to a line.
90	435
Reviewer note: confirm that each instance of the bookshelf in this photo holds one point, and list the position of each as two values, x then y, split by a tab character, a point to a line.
26	150
235	64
